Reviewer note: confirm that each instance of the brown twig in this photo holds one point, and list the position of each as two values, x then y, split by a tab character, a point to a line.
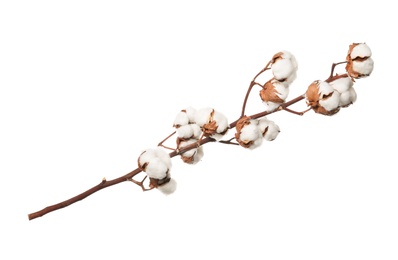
252	84
332	70
104	184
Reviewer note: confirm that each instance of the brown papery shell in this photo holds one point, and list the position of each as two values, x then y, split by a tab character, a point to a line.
269	93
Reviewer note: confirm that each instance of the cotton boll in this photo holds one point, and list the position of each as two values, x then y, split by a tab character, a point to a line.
156	169
364	68
168	187
284	66
274	94
268	128
322	98
360	50
181	119
249	133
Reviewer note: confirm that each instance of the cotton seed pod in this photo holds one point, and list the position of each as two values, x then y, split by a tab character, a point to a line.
322	98
344	85
284	66
274	93
359	61
268	129
192	156
211	122
247	133
156	163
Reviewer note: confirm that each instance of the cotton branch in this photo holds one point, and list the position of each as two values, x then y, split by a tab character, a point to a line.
207	125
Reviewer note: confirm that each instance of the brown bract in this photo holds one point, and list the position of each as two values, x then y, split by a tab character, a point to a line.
154	183
269	93
277	56
210	128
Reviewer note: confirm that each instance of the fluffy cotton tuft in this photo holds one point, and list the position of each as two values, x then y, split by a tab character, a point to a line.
284	66
202	116
364	68
332	102
181	119
249	132
348	97
163	156
156	169
185	131
190	111
222	122
268	128
360	50
169	187
342	84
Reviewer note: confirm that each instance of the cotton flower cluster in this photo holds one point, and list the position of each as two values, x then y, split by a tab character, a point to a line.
251	132
156	163
188	132
327	97
284	69
359	61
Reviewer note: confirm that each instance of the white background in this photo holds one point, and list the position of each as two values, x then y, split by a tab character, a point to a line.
87	85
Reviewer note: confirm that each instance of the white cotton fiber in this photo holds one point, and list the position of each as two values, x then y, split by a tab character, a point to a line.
342	84
163	156
202	116
363	67
362	50
156	168
185	131
169	187
332	102
181	119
